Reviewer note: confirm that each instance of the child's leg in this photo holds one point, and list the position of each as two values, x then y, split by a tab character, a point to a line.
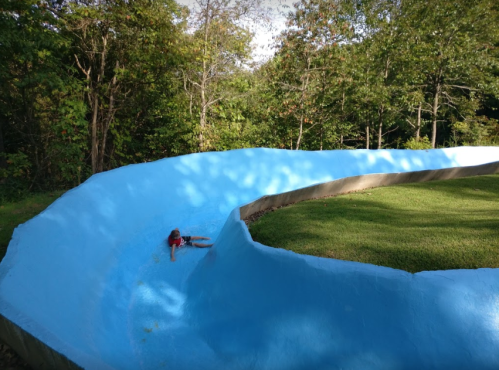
200	245
199	238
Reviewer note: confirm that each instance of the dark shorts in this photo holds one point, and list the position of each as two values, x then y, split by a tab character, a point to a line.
187	240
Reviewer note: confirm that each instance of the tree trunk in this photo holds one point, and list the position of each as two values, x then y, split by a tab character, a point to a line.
321	134
342	116
300	132
302	101
107	122
367	136
3	160
380	126
204	78
95	148
418	125
436	97
202	121
97	155
434	115
382	107
321	121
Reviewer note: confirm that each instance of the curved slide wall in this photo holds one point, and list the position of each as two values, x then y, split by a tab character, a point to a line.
91	277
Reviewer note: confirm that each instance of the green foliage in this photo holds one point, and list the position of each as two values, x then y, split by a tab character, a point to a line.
476	131
69	144
91	85
448	48
39	98
15	179
422	143
310	74
125	52
215	55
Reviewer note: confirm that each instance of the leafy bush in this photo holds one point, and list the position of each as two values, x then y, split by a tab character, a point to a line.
422	143
479	130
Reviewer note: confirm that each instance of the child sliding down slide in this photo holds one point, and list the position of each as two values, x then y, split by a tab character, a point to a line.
177	241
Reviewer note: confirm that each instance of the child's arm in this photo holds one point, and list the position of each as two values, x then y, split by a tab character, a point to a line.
173	253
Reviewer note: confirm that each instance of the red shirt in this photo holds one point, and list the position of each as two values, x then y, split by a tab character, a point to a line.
178	242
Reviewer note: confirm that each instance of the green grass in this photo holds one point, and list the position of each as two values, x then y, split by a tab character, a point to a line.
13	214
441	225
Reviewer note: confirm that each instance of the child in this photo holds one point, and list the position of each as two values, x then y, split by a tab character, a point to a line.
177	241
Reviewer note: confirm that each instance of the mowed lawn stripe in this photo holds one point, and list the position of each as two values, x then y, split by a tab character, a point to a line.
440	225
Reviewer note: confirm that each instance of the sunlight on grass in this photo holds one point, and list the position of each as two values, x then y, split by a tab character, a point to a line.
439	225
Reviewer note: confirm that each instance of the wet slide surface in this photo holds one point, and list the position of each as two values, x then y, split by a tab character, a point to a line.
91	276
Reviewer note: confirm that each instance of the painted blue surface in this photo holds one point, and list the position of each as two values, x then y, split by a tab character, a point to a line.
91	276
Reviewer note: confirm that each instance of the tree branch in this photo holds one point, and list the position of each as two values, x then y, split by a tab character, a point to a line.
83	69
463	87
410	123
396	128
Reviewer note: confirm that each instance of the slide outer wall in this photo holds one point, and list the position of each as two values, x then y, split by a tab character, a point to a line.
36	353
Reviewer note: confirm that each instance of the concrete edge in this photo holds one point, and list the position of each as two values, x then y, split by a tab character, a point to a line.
32	350
357	183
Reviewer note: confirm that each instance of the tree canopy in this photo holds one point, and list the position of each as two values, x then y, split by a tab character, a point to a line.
88	86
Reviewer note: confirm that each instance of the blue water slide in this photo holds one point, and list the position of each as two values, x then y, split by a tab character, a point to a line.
91	276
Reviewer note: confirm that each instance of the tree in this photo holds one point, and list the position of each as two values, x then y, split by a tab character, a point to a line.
450	43
311	63
217	49
381	52
40	116
120	46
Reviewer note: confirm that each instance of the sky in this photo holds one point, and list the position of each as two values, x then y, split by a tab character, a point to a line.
264	32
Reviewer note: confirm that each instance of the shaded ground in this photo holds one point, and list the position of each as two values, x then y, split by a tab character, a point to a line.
9	360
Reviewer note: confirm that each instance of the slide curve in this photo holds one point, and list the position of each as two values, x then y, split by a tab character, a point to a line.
91	276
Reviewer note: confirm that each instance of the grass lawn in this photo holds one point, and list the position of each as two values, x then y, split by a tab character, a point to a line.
13	214
440	225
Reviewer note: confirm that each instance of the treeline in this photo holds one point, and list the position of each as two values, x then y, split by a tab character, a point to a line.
90	85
